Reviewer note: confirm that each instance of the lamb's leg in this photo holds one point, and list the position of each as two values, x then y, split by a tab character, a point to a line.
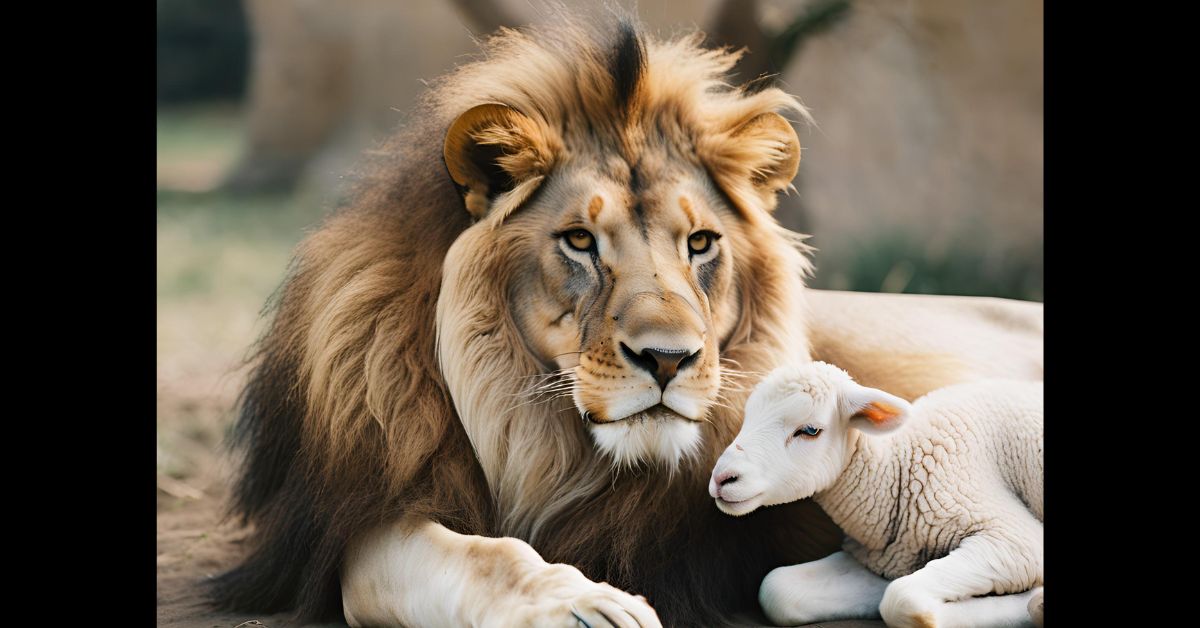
835	587
995	611
1001	562
1035	608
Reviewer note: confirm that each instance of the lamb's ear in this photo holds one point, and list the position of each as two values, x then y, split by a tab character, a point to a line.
755	161
873	411
496	156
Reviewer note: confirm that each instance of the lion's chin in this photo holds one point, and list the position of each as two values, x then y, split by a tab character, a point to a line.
650	436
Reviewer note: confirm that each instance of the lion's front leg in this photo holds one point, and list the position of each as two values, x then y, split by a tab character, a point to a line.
419	573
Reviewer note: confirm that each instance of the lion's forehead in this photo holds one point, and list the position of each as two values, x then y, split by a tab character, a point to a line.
672	204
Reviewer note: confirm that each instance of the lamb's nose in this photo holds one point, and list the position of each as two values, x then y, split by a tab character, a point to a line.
719	480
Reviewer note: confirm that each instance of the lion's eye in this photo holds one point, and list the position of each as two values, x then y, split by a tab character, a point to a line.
701	242
580	239
807	432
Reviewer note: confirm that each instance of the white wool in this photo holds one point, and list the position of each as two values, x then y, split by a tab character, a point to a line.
960	470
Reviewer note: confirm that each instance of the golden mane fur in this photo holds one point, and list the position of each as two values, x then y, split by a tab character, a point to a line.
356	414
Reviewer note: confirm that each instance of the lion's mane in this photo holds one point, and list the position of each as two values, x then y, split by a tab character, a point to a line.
347	421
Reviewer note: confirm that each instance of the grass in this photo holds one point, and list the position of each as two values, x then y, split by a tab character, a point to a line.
219	258
196	145
900	262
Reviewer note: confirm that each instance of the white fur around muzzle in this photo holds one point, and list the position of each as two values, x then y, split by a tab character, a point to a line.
636	440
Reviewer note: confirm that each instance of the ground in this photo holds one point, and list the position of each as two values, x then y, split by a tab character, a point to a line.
219	258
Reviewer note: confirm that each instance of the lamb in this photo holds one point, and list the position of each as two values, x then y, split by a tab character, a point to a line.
946	509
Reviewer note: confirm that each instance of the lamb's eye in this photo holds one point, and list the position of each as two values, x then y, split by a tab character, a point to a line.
807	432
701	242
580	239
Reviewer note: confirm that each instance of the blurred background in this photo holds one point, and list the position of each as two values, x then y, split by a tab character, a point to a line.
923	174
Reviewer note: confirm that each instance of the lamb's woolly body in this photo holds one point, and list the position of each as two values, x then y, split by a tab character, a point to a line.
941	497
970	462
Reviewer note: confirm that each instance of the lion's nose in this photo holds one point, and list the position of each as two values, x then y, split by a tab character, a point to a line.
663	364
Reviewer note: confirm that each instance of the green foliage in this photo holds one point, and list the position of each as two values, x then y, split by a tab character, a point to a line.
203	50
209	130
895	262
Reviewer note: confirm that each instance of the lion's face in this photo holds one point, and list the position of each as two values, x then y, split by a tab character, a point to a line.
615	240
628	289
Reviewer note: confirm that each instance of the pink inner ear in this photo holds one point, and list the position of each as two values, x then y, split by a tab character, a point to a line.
878	412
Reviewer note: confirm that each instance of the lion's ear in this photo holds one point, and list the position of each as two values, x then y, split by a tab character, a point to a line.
493	150
756	160
776	149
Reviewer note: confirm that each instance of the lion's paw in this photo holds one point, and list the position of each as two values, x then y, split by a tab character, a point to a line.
560	595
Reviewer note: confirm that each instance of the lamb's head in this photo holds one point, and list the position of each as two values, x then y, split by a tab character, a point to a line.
798	435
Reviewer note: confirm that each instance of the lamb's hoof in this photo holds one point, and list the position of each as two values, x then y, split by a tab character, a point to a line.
1035	608
903	607
922	619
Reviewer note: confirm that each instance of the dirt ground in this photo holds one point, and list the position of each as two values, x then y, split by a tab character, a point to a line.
218	261
194	542
201	339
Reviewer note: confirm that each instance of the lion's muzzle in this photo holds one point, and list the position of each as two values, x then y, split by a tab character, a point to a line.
663	364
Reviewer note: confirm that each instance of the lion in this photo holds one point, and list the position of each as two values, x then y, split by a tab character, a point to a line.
497	377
